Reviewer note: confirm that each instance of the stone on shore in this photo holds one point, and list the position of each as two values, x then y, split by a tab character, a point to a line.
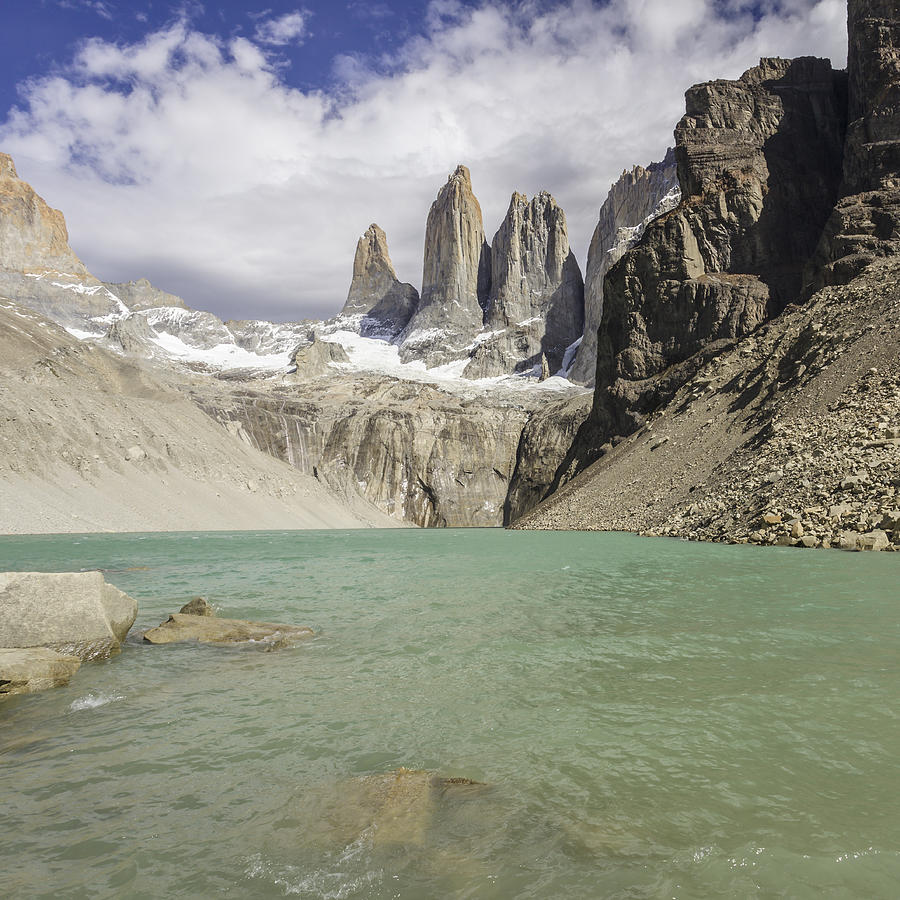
212	630
75	613
31	669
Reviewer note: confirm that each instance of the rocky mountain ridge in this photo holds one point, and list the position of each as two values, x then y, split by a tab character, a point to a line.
763	425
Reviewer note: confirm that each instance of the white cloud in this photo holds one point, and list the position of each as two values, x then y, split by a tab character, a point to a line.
286	29
186	158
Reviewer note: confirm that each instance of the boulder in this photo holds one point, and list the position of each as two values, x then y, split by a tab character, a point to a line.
31	669
212	630
197	606
75	613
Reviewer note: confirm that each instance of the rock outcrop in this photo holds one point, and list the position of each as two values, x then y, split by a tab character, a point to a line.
383	303
788	435
872	160
760	166
141	294
37	266
865	224
455	277
209	629
536	302
634	201
27	671
421	454
315	359
75	613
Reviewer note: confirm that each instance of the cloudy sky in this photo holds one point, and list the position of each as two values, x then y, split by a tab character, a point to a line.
234	153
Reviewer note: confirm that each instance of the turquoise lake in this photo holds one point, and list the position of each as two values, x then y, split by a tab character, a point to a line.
651	719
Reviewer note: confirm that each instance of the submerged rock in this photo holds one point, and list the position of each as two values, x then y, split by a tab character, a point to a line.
32	669
208	629
75	613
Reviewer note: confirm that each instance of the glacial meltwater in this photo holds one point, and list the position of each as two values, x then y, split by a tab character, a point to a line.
648	718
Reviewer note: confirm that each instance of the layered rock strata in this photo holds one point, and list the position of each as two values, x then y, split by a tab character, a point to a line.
536	303
455	277
635	200
377	295
420	454
760	166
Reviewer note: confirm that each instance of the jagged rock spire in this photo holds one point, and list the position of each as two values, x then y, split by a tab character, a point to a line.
537	292
375	291
455	276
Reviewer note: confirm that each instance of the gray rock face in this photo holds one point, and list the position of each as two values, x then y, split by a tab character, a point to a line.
26	671
76	613
751	153
872	160
417	453
865	224
376	294
141	294
543	445
536	303
455	277
315	359
634	201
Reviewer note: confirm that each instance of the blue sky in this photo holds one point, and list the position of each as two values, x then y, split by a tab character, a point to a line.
234	153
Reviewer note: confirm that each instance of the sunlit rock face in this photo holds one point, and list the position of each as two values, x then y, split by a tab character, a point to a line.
634	201
455	277
37	266
536	303
383	303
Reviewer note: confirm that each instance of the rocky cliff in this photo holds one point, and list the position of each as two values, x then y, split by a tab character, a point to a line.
455	277
383	302
37	266
141	294
536	303
635	200
419	453
783	433
760	167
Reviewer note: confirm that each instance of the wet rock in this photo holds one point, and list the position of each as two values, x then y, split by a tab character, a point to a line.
212	630
74	613
197	606
26	671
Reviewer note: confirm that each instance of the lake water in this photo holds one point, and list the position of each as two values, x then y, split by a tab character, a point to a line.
652	719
